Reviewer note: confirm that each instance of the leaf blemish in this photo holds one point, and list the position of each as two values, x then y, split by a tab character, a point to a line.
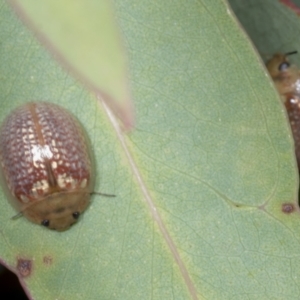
24	267
288	208
47	260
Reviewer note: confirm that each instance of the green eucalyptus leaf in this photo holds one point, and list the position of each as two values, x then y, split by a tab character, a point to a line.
84	36
206	184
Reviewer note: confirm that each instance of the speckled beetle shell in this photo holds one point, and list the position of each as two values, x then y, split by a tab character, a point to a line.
287	81
46	164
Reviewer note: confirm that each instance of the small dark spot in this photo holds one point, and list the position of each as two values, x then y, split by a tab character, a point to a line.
288	208
47	260
45	223
24	267
76	215
60	210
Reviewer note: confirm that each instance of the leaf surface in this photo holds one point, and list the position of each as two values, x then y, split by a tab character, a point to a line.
201	182
84	36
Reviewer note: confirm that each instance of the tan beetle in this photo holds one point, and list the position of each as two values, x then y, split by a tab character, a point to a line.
287	81
46	164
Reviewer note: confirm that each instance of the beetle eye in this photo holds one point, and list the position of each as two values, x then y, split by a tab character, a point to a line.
45	223
76	215
283	66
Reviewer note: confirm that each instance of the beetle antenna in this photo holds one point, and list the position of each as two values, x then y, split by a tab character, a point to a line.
102	194
291	53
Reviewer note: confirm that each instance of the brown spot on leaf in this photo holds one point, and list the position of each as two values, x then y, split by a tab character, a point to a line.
47	260
288	208
24	267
